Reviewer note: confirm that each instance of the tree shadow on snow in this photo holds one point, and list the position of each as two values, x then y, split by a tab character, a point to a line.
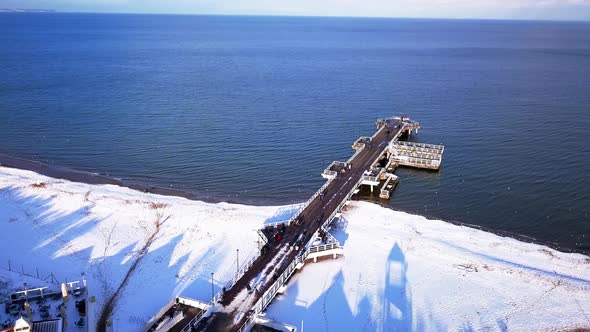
47	243
51	241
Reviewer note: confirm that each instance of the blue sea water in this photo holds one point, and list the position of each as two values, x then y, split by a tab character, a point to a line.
253	108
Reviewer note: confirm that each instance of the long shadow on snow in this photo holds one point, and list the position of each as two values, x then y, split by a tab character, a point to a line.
50	251
49	232
331	310
397	302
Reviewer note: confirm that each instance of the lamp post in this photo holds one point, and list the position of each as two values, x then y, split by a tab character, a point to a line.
237	261
212	289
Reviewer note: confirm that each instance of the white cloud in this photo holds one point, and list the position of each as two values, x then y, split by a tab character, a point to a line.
565	9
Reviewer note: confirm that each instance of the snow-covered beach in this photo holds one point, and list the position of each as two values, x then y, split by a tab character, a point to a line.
399	271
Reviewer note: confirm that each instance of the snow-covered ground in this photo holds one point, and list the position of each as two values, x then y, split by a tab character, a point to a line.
67	228
402	272
399	272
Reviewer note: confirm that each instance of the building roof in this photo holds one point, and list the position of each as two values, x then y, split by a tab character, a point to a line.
52	325
22	324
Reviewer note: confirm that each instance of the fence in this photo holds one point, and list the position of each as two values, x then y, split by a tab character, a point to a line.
34	273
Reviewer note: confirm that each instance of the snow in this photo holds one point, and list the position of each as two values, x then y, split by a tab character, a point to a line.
403	272
399	271
67	228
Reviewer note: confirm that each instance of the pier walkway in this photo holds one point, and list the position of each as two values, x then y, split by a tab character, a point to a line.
288	245
240	305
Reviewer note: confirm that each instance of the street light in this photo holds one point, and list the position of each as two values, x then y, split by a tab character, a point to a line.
237	261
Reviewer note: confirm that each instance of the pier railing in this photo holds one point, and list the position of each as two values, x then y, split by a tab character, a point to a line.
278	223
245	266
310	200
272	291
420	145
370	178
322	247
341	205
419	162
301	207
159	314
184	300
364	146
250	262
198	316
329	173
361	142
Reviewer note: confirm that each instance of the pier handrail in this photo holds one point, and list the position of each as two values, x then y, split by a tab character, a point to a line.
322	247
245	266
341	205
310	200
364	146
159	314
329	173
249	263
277	223
271	292
421	145
370	178
198	316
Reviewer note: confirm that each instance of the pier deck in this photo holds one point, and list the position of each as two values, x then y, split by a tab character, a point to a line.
310	219
291	243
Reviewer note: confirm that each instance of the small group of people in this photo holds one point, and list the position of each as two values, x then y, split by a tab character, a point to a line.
323	235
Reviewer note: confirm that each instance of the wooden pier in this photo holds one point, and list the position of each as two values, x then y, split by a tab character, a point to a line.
304	237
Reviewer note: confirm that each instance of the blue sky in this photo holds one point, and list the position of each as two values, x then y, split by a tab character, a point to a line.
503	9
